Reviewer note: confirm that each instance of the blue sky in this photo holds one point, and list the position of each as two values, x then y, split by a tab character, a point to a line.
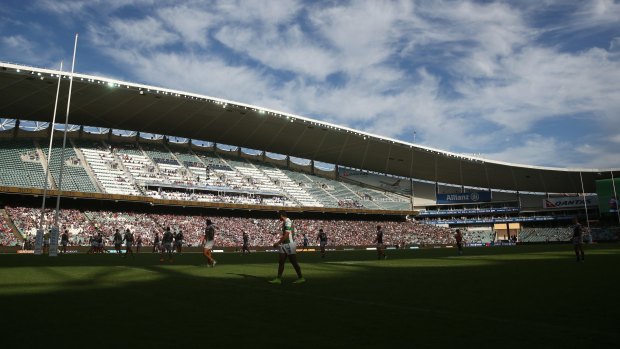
532	82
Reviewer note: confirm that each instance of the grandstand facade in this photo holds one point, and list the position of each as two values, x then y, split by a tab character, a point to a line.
143	144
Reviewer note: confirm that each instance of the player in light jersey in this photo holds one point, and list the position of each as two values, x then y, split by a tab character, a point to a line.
167	245
128	238
208	240
287	246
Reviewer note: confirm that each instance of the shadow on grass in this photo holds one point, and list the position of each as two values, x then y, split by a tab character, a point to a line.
375	303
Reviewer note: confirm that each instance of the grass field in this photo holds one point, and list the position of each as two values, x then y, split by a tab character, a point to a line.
521	297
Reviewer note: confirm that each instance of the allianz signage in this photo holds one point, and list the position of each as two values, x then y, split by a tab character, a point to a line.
570	201
461	198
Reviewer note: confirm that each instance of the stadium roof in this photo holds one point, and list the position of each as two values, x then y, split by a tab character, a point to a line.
28	93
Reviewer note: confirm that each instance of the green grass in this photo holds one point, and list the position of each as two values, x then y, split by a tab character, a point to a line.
521	297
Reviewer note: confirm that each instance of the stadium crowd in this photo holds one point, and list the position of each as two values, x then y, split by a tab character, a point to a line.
262	232
7	238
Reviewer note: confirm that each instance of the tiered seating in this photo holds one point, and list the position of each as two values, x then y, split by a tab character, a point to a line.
293	189
139	165
75	177
229	175
545	234
108	169
20	165
167	164
258	178
317	189
478	236
197	168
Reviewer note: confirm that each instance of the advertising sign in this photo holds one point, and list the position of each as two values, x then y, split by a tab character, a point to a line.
570	202
608	193
38	242
464	198
53	251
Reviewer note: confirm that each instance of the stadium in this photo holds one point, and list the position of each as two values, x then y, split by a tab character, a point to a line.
145	158
135	144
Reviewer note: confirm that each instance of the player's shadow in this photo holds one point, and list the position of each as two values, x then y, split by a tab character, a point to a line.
248	276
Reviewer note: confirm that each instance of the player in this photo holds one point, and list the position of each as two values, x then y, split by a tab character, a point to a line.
128	238
379	242
322	239
138	243
93	244
166	240
64	241
578	240
99	243
178	242
287	246
156	243
118	241
305	242
207	241
459	241
246	245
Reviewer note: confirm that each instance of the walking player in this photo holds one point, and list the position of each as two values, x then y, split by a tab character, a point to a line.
208	240
578	240
379	242
287	246
322	239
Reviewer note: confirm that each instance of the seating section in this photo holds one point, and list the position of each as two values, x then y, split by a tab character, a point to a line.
75	177
545	234
20	164
108	169
478	236
106	222
168	165
141	167
83	225
133	168
27	219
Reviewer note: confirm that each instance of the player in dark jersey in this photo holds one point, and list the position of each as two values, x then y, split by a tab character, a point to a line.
246	244
578	240
118	241
166	240
207	242
322	239
287	246
99	240
379	242
178	242
459	241
128	238
138	243
64	241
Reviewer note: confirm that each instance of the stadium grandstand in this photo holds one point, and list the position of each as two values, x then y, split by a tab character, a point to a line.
143	158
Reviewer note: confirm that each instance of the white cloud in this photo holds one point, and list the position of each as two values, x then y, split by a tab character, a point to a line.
191	23
462	74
